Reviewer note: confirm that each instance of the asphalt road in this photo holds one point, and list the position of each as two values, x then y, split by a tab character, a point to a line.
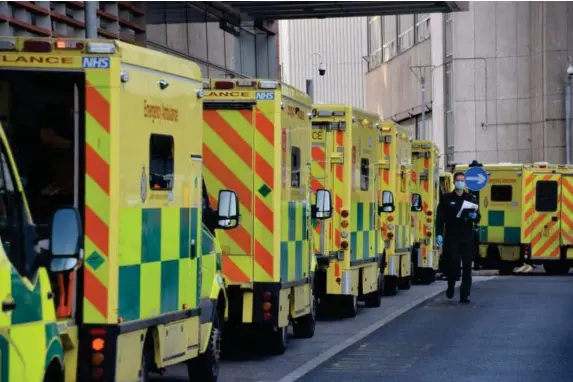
515	329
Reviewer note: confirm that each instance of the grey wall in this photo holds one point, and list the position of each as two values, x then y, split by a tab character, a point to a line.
393	90
525	47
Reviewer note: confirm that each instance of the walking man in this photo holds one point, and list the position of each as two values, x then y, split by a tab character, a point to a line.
458	227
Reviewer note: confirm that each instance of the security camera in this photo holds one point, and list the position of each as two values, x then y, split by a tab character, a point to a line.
322	68
570	70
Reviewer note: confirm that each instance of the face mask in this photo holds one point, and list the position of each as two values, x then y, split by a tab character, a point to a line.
460	185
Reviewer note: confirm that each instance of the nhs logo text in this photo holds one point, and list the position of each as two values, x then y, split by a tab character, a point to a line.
95	62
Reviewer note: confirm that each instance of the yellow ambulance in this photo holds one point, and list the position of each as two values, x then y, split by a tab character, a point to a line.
345	161
257	142
398	206
526	215
426	182
101	214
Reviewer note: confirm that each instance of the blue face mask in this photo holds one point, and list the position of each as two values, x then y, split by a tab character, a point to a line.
460	185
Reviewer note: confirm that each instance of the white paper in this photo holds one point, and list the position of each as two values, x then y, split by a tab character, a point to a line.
467	206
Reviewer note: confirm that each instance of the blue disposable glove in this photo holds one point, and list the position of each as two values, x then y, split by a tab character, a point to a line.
439	240
473	215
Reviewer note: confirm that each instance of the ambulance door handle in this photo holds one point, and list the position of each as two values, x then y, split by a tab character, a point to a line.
554	218
8	305
193	253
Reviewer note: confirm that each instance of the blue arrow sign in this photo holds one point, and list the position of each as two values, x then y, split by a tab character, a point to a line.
476	178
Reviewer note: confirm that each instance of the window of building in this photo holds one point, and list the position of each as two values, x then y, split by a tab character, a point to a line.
295	167
501	193
422	26
405	32
161	162
364	174
374	42
389	37
546	196
449	34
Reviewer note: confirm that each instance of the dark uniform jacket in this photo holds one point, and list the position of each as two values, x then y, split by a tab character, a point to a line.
461	228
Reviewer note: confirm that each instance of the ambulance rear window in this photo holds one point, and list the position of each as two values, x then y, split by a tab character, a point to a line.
161	162
364	174
295	167
501	193
546	196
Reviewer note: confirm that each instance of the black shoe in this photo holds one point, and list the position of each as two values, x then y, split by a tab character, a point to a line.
450	291
464	300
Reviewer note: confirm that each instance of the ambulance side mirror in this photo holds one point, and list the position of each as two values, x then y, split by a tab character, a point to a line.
387	202
227	209
416	202
323	207
65	240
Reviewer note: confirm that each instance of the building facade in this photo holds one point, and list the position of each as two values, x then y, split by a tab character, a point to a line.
495	79
339	43
192	30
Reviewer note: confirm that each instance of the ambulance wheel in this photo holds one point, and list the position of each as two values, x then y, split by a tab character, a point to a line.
556	268
390	285
278	340
303	327
206	366
374	299
349	306
426	276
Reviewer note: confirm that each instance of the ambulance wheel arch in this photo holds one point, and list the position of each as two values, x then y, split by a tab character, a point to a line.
54	371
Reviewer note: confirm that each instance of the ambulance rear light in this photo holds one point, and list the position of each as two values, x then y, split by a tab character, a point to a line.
98	344
97	374
7	45
344	223
390	235
390	218
37	46
324	113
267	296
429	234
344	234
429	213
344	244
268	85
246	83
69	45
101	47
206	85
426	146
224	84
344	213
267	316
339	113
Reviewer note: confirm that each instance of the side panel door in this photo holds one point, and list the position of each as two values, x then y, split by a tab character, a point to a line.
542	215
321	179
566	223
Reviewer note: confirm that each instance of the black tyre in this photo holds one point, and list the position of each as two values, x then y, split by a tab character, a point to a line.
303	327
277	341
348	306
205	368
374	299
390	285
426	276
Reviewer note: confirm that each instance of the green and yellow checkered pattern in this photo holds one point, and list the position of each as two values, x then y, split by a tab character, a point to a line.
295	249
363	241
157	248
402	239
497	226
28	323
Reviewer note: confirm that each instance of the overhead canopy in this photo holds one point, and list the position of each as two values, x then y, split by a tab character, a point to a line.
238	12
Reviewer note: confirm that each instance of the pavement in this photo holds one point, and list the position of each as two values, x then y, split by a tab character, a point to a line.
515	329
331	337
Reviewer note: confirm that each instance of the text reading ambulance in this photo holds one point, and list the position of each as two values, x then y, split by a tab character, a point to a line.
345	161
257	142
105	282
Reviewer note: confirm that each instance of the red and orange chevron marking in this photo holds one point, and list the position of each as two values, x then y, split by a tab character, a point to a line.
97	186
235	171
338	189
544	241
566	210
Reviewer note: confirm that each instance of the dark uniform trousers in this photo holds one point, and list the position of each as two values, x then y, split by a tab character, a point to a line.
459	239
458	251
